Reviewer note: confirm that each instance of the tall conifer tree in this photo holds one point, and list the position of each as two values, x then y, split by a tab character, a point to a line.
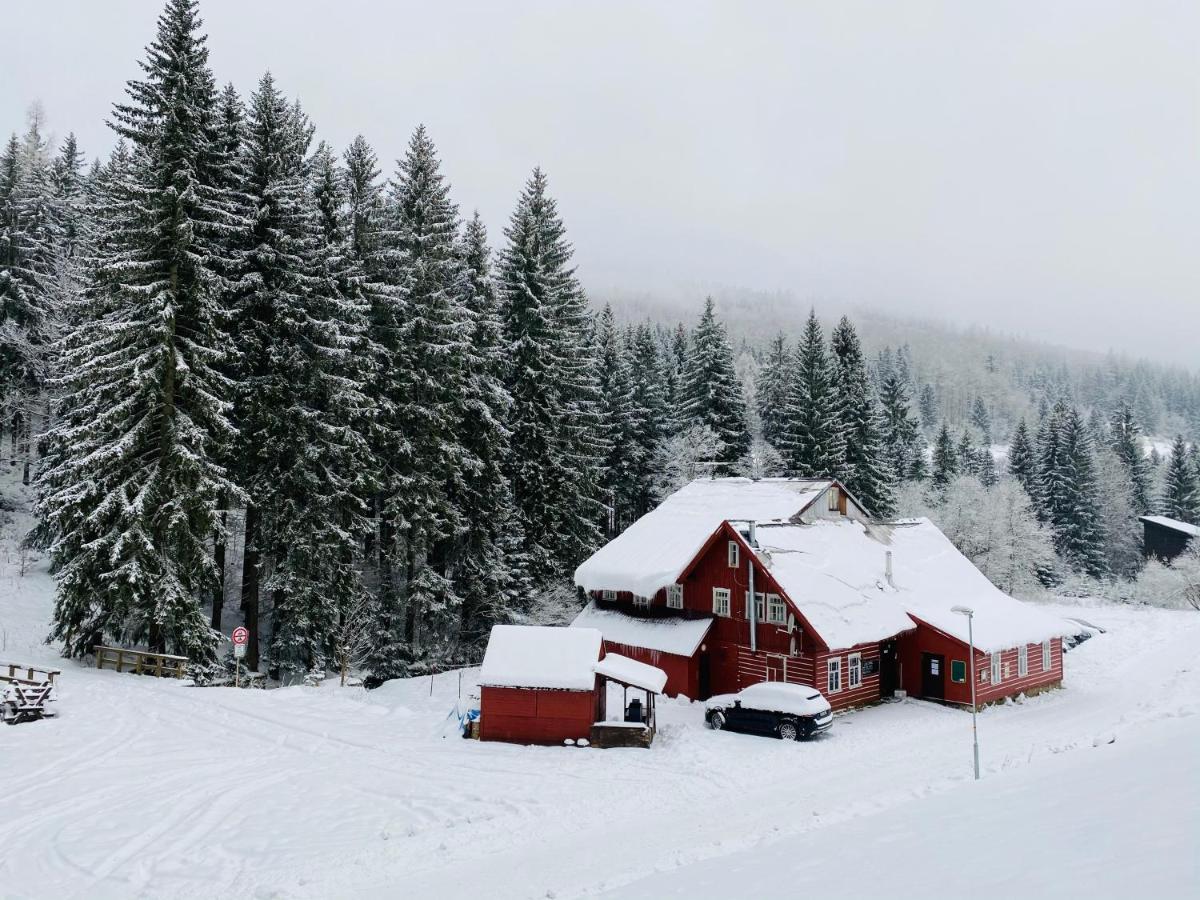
812	443
131	500
557	442
864	469
711	392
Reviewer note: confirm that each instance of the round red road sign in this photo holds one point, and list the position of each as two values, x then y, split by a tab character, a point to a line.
241	635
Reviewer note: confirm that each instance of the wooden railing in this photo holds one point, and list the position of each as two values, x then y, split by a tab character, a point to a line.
141	662
32	674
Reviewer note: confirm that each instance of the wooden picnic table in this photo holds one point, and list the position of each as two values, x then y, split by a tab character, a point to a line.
141	662
24	692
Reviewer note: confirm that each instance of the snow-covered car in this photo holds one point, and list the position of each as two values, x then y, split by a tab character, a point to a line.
790	711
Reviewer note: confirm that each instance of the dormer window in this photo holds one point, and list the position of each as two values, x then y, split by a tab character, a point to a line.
642	602
609	596
675	596
734	554
832	495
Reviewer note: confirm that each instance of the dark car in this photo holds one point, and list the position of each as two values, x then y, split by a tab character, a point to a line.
790	711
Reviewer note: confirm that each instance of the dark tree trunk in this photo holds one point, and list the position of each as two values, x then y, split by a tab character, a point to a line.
250	587
218	600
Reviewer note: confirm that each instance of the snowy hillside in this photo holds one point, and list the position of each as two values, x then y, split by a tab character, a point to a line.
148	788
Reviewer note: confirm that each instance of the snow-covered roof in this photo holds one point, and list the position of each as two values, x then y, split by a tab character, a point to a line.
673	635
1174	524
540	656
631	672
833	570
932	576
653	551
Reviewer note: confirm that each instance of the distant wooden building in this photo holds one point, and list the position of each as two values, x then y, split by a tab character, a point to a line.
1165	538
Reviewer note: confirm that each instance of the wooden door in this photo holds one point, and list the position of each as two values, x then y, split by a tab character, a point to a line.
933	676
889	669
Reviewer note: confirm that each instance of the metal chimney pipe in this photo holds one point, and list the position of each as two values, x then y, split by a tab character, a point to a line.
887	567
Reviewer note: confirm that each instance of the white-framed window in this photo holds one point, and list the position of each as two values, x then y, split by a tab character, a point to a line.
610	596
833	668
721	601
1046	663
832	495
760	606
776	609
643	602
675	596
997	676
854	670
734	554
1022	661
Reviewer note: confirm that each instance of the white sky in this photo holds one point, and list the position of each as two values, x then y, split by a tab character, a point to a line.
1031	166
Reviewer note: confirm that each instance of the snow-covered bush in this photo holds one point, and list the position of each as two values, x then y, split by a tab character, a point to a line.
1174	586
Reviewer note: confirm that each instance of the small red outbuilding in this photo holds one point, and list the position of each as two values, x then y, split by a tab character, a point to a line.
538	684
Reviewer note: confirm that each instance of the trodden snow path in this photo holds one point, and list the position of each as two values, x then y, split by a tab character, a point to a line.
148	788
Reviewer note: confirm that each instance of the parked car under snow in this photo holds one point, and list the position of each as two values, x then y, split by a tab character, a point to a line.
790	711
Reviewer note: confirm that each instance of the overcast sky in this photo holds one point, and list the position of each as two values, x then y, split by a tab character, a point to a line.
1032	166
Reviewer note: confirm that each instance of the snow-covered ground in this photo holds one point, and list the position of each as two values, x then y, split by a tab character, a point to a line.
148	788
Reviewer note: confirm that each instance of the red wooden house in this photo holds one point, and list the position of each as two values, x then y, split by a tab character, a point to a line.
857	609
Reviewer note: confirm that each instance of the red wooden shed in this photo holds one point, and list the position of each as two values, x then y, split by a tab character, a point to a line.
538	685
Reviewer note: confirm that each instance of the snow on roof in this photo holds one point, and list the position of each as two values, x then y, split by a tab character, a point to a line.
631	672
932	576
833	571
1173	524
541	656
653	551
674	635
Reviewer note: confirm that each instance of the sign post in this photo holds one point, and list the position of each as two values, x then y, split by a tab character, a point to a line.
241	637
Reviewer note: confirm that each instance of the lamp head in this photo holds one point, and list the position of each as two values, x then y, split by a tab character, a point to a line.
963	611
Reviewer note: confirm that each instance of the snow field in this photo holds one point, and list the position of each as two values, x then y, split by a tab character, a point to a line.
146	788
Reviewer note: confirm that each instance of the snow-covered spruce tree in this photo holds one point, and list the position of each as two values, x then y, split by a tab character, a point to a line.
423	387
1181	486
945	459
968	456
30	299
711	393
130	502
296	407
487	565
903	443
773	380
556	438
675	349
930	410
864	470
651	418
982	419
1068	487
1022	459
622	462
812	443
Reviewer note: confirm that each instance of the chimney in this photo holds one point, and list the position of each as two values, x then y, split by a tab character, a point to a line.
887	567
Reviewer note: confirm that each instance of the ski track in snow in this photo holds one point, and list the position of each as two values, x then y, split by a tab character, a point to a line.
152	788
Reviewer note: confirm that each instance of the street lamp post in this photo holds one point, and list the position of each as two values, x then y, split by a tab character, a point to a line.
970	614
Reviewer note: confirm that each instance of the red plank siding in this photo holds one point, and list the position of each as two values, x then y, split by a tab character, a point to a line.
683	673
529	716
930	640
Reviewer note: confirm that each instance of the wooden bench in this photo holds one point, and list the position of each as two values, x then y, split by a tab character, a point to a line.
141	662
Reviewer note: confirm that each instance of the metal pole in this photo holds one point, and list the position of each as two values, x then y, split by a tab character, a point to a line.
973	677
